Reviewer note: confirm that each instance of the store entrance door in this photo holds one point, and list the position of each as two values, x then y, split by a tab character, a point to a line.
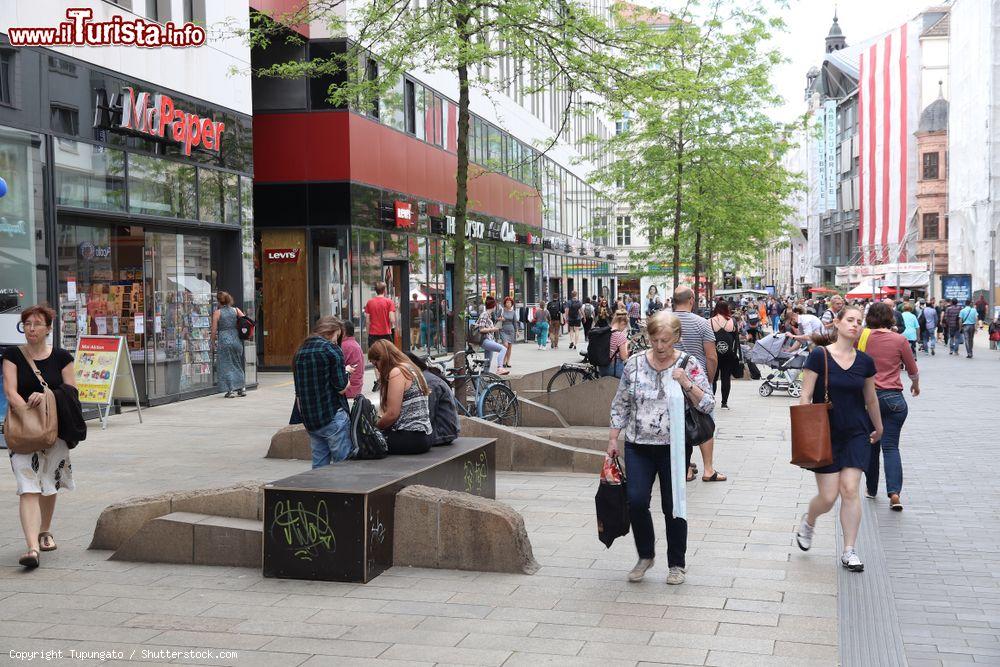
396	275
503	290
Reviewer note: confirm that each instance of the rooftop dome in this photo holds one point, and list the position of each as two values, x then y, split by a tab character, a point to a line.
935	117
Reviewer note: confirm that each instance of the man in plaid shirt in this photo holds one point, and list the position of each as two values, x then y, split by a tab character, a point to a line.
321	378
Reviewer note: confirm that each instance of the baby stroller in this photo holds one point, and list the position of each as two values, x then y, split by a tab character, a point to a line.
785	364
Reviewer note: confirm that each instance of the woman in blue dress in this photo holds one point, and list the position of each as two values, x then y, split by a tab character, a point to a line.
228	346
855	423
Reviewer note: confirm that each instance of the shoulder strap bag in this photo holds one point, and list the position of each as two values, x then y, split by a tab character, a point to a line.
699	427
26	429
811	445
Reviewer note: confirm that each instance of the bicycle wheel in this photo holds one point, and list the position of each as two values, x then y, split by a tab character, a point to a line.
566	377
498	404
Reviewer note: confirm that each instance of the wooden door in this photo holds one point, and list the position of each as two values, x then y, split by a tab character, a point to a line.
285	316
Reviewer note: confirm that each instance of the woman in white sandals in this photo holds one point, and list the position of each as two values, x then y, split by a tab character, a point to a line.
41	475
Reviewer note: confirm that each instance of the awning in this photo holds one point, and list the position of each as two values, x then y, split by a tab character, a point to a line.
867	291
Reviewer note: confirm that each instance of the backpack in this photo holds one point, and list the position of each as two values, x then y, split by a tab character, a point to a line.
369	442
474	336
244	327
599	346
753	316
588	311
555	309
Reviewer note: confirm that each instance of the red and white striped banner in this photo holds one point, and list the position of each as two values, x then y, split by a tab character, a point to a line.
888	97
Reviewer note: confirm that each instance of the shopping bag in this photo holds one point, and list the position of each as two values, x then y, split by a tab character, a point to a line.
612	503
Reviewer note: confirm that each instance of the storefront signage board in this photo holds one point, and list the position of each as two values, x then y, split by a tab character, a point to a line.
104	373
277	255
957	286
404	214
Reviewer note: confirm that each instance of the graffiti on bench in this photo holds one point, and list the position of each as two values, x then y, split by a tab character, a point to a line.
305	531
476	473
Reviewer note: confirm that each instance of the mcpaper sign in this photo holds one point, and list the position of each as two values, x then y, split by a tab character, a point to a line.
154	115
404	214
290	255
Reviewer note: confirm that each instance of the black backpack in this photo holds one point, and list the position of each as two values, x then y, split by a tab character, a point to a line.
599	346
369	442
555	309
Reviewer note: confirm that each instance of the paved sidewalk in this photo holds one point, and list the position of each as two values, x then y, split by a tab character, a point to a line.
751	596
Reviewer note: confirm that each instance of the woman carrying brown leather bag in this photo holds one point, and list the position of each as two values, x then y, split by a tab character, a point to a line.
40	475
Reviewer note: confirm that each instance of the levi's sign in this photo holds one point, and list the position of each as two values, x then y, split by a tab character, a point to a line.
404	214
282	255
154	115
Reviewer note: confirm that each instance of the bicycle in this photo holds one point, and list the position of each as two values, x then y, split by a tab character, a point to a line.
570	375
487	395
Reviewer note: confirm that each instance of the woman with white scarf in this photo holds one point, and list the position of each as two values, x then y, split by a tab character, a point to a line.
648	409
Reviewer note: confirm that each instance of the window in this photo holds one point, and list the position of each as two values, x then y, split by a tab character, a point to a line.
161	187
89	176
654	233
6	73
371	72
931	226
64	120
623	230
194	12
945	236
930	166
62	66
410	107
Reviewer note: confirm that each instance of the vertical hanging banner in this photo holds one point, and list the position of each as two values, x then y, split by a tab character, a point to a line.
830	149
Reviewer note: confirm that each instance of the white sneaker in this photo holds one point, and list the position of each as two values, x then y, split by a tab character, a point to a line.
676	576
804	536
850	560
640	568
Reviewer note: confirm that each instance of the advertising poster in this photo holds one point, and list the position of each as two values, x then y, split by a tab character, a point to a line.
96	361
957	286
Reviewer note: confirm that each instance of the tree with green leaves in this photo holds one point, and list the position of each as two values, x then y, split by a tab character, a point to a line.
700	163
564	48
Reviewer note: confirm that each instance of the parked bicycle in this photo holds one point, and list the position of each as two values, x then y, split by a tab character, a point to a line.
569	375
486	395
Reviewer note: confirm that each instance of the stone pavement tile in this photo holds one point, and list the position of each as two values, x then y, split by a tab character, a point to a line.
12	585
263	626
683	656
133	591
365	619
545	616
712	642
548	645
19	602
519	598
58	616
518	659
245	658
325	661
604	593
439	654
244	612
721	616
227	640
827	637
700	627
479	625
805	650
221	596
436	609
452	585
140	606
375	592
334	602
817	587
22	628
315	645
180	580
663	597
624	608
728	659
416	636
116	634
599	634
168	622
295	586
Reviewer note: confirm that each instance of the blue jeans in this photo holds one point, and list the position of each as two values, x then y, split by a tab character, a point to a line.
970	334
893	407
775	323
929	339
490	347
954	339
614	369
642	464
331	443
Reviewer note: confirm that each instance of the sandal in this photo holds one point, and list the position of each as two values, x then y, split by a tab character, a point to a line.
41	541
716	477
29	559
692	471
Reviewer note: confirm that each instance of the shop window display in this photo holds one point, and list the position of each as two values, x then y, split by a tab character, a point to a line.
89	176
161	187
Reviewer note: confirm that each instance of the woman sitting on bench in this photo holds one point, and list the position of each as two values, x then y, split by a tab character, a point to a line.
403	400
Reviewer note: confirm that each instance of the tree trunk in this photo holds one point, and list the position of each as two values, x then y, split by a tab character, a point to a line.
697	266
461	192
677	209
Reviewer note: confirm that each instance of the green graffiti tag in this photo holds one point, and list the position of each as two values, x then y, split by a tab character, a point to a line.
475	474
305	531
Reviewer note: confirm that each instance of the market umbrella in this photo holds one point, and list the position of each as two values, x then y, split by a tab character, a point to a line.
822	290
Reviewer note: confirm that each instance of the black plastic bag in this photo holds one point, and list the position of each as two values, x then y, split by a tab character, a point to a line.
612	503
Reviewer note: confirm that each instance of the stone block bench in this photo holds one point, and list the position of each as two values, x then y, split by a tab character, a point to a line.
336	523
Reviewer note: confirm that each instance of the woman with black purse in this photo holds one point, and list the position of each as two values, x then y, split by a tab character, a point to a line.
649	407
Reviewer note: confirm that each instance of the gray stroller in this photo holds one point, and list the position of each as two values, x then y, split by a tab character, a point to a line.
785	365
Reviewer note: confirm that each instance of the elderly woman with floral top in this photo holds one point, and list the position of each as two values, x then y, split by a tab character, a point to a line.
648	409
